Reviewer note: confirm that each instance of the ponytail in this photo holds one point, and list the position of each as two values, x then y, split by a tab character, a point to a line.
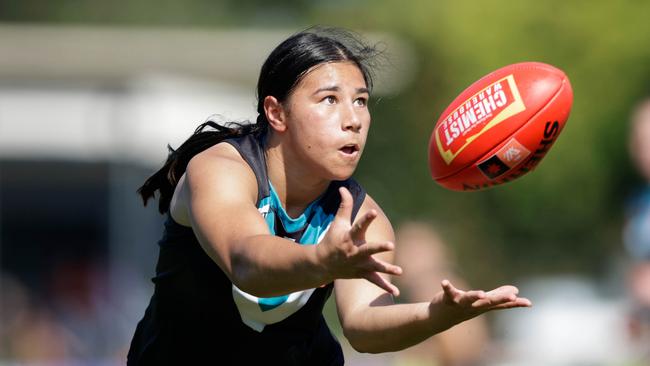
166	178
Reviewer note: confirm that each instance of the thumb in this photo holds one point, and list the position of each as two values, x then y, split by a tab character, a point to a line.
345	208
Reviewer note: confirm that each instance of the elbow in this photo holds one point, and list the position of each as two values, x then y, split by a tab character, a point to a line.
356	342
236	265
244	276
372	342
241	271
247	283
361	342
363	346
353	336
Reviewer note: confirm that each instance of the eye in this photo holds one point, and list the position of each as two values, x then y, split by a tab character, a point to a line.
361	102
330	99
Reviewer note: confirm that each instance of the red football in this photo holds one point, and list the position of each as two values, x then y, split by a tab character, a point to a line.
500	127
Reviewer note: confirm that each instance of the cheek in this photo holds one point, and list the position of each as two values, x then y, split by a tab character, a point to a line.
365	129
316	129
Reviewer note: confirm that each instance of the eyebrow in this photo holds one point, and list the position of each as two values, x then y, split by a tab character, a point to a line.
335	88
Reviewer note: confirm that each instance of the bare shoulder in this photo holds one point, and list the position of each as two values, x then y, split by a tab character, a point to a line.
368	204
381	228
220	166
215	157
218	171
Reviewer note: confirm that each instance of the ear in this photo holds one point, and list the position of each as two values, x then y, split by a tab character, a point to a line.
275	114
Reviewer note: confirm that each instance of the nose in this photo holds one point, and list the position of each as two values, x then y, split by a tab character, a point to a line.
352	118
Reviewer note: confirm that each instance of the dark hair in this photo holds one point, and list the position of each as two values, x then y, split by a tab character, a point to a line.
284	68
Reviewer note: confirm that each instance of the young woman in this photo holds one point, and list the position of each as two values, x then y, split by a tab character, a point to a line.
264	222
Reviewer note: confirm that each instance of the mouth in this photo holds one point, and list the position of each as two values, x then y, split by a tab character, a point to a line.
350	149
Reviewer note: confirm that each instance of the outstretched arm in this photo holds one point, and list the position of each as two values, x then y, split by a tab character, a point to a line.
220	193
373	323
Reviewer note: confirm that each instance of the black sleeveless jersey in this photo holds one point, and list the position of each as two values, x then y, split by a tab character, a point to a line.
196	315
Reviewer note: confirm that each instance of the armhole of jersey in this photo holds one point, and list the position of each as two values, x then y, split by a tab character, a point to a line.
359	195
251	151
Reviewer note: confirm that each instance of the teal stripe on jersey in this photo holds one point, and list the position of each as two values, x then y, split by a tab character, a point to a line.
269	207
270	303
264	207
290	224
318	224
264	201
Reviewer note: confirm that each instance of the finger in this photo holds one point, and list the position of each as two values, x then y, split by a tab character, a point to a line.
368	249
385	267
449	289
505	289
358	231
503	294
489	302
464	298
469	298
380	281
520	302
345	207
450	293
506	294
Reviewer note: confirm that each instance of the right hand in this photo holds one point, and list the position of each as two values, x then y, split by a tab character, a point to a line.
345	253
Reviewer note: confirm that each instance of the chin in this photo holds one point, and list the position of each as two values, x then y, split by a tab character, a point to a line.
335	169
341	173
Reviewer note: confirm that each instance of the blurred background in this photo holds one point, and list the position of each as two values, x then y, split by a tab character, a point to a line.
92	92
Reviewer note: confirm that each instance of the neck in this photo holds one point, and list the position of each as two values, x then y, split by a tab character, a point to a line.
295	186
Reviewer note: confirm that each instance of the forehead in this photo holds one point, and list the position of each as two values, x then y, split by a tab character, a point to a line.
341	74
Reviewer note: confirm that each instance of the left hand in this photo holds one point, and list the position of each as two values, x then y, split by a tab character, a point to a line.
475	302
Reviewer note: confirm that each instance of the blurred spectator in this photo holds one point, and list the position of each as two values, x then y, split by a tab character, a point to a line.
73	321
80	299
426	261
636	233
29	333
